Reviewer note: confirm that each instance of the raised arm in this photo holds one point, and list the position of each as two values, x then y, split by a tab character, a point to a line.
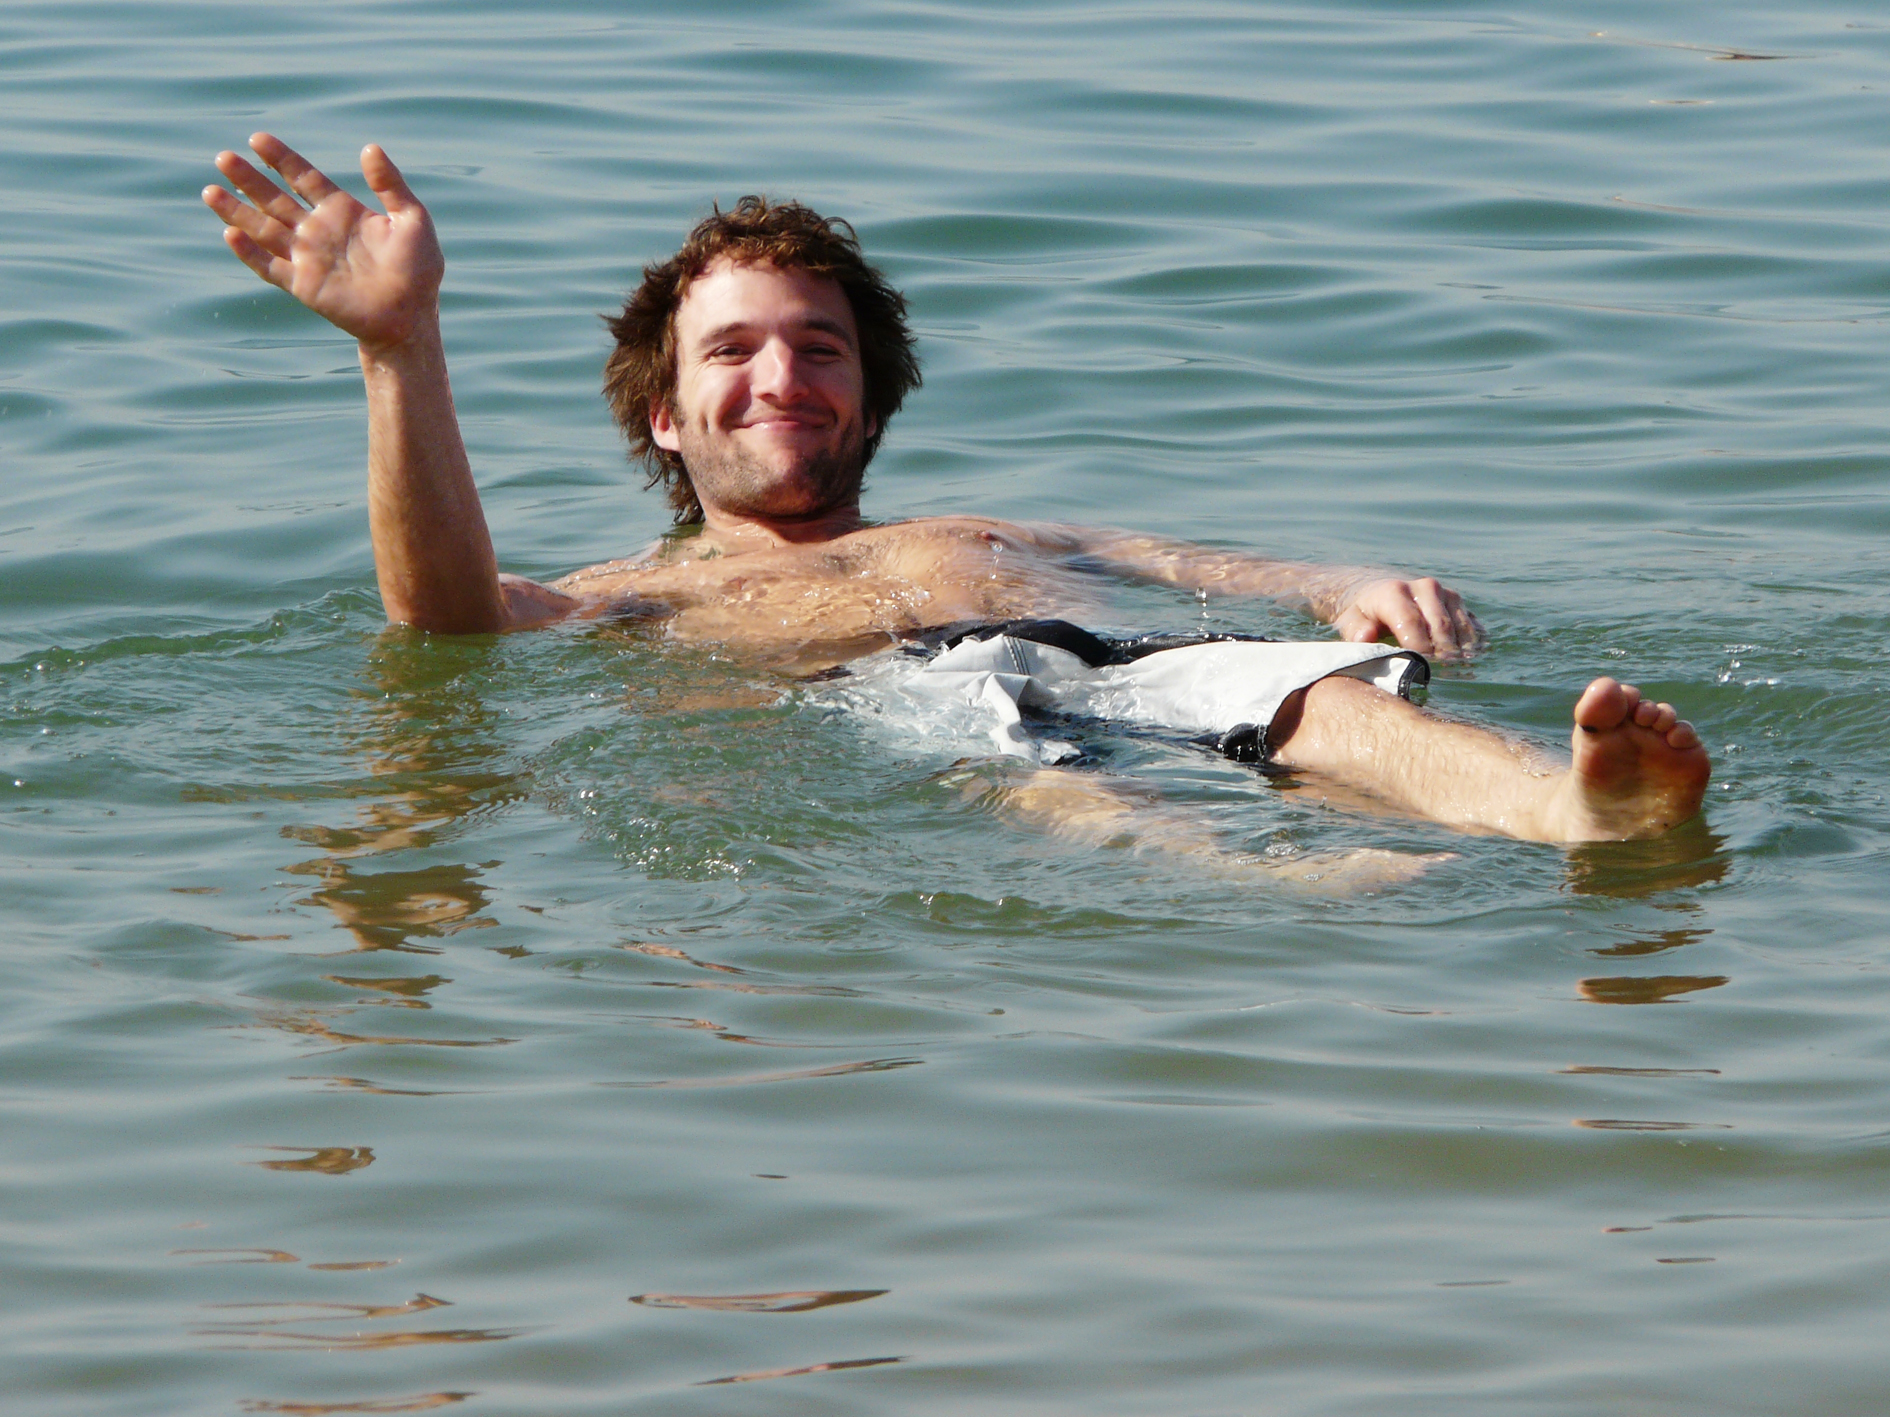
378	278
1363	604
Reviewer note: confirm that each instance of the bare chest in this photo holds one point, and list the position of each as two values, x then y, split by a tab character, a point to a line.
872	586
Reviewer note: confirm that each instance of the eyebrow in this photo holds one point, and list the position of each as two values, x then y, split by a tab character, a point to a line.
823	323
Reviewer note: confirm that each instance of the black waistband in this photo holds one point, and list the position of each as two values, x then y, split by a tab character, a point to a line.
1094	650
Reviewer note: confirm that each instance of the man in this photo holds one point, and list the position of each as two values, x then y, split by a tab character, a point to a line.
758	370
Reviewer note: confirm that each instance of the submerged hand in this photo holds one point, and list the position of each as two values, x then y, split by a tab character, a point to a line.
376	277
1420	615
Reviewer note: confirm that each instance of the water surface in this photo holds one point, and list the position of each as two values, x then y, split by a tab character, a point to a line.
578	1023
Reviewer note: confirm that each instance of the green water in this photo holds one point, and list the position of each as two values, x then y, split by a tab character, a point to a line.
392	1024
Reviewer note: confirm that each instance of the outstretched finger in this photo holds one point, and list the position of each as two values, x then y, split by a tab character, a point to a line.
273	269
259	189
306	180
385	181
263	229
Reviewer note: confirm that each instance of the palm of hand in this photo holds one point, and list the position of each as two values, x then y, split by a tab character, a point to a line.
371	275
376	277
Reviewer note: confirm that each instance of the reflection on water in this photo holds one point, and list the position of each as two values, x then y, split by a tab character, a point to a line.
764	1374
423	1402
829	991
869	1065
336	1083
1709	50
1690	856
385	910
1654	941
794	1301
349	1266
267	1322
721	1031
321	1313
425	737
1621	1124
328	1160
259	1255
281	1339
644	947
1646	988
428	737
313	1025
411	990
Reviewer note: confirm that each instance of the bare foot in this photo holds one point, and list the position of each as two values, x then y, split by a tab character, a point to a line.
1639	769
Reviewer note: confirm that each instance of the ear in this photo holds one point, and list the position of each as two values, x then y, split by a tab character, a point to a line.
663	429
872	425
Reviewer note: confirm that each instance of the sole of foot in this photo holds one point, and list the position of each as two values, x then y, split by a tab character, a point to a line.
1639	769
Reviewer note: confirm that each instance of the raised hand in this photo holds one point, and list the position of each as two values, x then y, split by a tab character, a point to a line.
1419	614
376	277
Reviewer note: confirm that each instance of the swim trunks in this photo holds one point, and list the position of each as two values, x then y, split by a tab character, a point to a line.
1220	689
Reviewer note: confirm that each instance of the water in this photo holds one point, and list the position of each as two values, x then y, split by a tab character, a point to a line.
397	1025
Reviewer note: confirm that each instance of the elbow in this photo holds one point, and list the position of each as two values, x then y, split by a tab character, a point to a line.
525	604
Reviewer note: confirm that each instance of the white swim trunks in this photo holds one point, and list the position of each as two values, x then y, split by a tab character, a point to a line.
1220	689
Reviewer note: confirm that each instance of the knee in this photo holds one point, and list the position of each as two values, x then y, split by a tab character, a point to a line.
1337	704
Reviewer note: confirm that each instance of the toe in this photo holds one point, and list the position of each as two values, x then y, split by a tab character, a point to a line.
1601	706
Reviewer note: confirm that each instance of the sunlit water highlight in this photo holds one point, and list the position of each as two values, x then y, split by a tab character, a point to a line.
579	1023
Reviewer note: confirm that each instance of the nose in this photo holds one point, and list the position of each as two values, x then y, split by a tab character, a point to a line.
777	372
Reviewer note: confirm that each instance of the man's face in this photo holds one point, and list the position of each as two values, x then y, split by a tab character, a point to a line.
767	411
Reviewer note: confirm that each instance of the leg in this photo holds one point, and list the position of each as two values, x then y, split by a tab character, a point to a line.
1101	811
1637	771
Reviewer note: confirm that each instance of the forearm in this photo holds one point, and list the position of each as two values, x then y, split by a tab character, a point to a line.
432	552
1322	591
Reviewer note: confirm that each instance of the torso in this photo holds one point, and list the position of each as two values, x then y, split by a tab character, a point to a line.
832	600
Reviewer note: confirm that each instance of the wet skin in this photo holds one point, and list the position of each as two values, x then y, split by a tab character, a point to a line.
843	597
767	414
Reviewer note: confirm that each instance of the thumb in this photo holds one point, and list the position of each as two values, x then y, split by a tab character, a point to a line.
385	181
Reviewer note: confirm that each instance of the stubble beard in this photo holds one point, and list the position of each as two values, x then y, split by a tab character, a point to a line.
728	476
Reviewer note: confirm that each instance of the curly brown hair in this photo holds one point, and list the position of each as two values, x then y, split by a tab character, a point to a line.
641	371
